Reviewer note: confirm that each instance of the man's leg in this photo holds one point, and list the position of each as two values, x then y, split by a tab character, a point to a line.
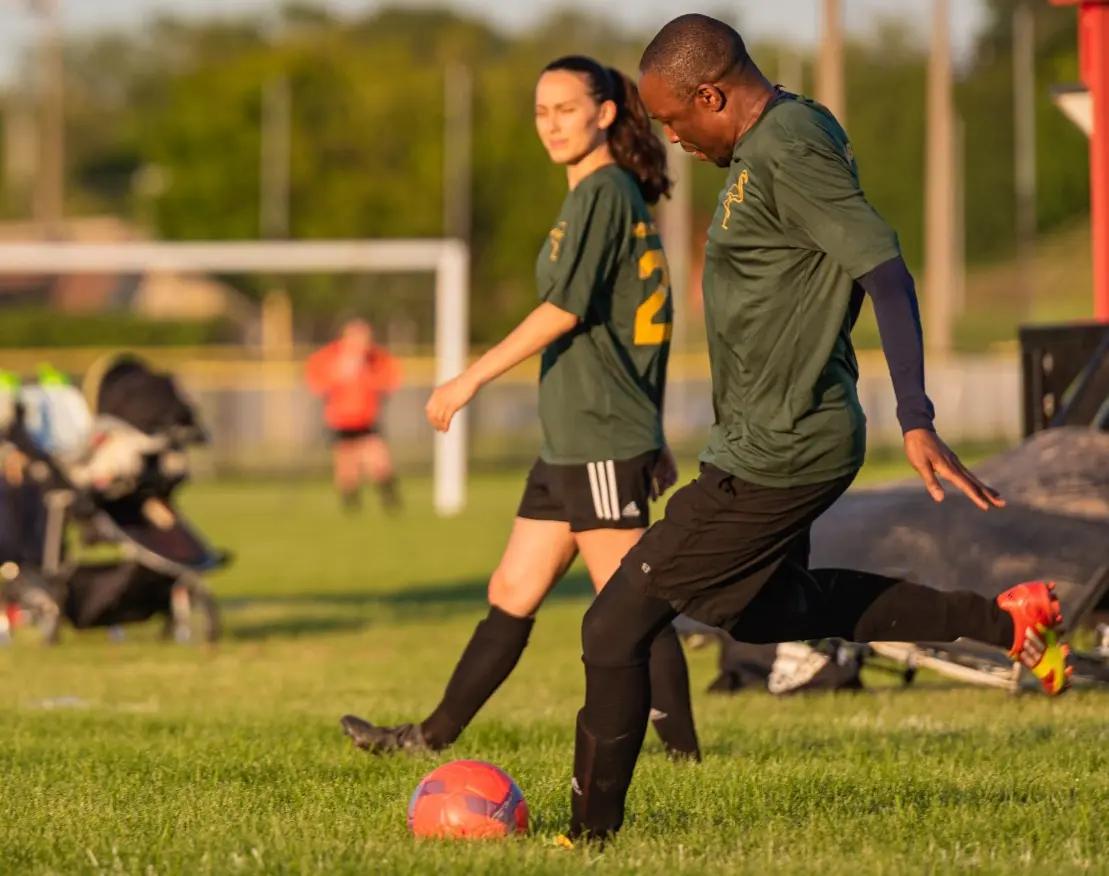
671	708
863	607
716	544
617	634
671	702
537	556
798	603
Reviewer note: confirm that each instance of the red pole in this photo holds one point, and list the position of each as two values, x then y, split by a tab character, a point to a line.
1094	55
1094	59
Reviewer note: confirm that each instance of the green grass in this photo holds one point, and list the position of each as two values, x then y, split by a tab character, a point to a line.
188	760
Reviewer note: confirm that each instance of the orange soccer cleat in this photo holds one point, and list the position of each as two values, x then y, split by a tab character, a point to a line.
1037	618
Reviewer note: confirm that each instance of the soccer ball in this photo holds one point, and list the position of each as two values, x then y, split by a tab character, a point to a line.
467	799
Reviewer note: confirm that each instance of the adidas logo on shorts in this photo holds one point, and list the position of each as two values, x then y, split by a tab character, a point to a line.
604	492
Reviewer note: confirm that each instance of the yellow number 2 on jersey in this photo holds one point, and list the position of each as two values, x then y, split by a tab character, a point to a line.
648	332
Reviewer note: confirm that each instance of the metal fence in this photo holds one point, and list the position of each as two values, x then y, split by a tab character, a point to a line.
264	420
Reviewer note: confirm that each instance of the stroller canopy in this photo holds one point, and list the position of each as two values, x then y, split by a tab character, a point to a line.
127	388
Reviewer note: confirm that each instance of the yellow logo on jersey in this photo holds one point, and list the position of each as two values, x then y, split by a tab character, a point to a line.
644	230
734	195
556	236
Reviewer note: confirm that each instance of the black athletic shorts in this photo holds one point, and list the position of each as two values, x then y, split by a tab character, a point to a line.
610	494
338	436
723	539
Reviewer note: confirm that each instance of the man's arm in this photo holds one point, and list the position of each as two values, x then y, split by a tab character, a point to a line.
890	286
820	200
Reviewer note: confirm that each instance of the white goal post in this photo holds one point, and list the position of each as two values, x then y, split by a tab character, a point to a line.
448	259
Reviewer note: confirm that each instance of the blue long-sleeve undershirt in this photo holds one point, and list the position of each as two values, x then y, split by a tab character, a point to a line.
891	289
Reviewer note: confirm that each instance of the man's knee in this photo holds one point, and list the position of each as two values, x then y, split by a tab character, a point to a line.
620	625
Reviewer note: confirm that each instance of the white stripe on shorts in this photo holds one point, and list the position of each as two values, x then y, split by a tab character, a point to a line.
608	511
594	488
614	497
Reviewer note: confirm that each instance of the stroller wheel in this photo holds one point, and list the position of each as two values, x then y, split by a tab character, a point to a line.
45	614
29	592
193	610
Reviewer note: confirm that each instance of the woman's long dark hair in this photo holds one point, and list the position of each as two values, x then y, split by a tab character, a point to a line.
630	137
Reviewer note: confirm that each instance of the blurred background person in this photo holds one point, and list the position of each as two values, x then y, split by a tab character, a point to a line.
354	375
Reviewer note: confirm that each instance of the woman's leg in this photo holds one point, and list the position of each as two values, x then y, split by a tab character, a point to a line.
538	554
344	456
377	465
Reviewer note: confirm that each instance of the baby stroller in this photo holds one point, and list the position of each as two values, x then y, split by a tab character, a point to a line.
106	463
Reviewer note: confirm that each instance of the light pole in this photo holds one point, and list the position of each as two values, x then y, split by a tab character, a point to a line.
831	88
1024	147
939	184
49	198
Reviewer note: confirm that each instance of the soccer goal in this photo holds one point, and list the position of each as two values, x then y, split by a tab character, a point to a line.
448	260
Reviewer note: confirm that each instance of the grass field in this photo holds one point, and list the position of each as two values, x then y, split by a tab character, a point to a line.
142	757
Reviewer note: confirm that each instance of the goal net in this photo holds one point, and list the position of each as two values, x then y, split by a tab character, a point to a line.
446	260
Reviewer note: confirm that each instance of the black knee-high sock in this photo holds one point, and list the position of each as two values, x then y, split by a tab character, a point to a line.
489	658
873	608
617	634
671	709
606	748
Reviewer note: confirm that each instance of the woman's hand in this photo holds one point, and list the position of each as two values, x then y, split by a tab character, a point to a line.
448	399
665	473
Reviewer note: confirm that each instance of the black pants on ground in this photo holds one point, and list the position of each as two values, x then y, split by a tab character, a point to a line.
733	554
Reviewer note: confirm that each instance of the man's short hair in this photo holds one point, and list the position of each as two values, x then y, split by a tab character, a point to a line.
694	49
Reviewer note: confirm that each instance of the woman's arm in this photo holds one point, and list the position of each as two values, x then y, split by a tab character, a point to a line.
538	329
543	325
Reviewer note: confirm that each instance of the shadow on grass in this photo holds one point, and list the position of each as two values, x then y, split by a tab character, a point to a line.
294	627
312	614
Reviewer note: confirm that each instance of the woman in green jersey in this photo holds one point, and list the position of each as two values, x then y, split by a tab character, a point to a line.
603	326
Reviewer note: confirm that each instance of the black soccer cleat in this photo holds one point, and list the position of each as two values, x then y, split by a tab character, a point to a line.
408	738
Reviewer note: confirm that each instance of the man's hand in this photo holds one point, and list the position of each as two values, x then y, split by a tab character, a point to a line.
447	400
665	473
931	458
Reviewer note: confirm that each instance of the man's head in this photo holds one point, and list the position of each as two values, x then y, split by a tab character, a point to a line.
698	80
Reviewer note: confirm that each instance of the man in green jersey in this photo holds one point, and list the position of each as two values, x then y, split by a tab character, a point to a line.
792	249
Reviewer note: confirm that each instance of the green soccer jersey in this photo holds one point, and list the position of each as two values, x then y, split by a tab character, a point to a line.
601	384
791	234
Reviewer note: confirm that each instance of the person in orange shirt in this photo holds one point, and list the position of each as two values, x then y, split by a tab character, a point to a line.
354	375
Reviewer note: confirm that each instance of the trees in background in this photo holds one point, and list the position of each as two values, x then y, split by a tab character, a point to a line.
165	126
